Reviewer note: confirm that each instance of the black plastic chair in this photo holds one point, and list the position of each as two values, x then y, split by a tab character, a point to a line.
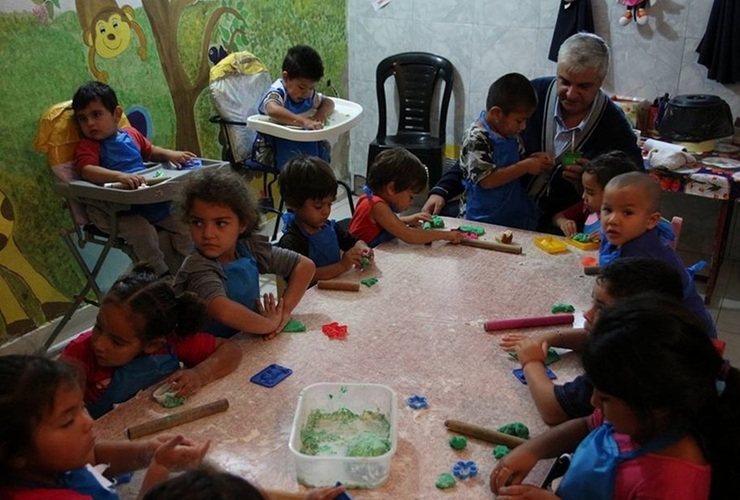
416	76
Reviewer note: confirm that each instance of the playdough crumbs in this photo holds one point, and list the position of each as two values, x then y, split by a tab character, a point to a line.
562	308
417	402
517	429
445	480
458	442
500	451
465	470
335	330
436	223
294	326
368	282
344	433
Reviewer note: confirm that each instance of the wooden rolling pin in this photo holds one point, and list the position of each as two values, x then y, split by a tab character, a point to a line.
348	286
492	245
179	418
488	435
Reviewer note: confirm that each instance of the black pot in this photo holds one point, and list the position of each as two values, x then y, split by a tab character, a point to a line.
696	118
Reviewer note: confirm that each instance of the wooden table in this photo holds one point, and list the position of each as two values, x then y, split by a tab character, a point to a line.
420	331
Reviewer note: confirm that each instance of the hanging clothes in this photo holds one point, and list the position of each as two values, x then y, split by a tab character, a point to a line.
573	17
719	49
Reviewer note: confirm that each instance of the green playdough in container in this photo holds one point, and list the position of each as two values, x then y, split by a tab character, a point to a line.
344	433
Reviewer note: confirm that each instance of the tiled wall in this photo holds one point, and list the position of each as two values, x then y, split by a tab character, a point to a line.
485	39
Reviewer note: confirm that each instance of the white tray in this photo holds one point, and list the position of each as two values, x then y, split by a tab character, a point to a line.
345	116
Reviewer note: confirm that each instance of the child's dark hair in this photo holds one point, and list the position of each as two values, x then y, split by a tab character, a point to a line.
303	61
221	186
609	165
91	92
155	308
512	92
202	484
306	178
399	166
652	353
28	386
630	276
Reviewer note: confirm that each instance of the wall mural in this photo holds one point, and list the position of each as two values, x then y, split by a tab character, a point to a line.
157	55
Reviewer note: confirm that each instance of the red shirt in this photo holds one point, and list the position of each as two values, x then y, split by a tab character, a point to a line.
363	226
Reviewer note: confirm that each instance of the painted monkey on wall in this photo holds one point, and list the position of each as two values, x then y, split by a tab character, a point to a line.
106	30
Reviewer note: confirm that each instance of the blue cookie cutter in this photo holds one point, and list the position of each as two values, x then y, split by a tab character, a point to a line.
194	163
271	376
519	373
343	496
465	470
417	402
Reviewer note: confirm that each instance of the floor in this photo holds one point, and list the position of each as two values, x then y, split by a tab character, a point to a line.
725	307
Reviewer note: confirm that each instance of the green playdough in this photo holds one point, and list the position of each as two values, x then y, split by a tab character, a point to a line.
581	237
552	356
501	451
294	326
368	282
458	442
517	429
436	223
173	401
445	480
562	308
473	229
365	262
344	433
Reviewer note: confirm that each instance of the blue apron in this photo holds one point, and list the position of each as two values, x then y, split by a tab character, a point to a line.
139	373
323	246
593	466
82	481
507	205
242	286
384	235
592	224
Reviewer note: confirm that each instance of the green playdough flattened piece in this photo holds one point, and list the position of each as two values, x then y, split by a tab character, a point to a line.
458	442
562	308
445	480
368	282
581	237
500	451
473	229
294	326
517	429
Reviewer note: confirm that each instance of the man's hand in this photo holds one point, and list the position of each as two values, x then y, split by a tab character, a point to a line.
434	204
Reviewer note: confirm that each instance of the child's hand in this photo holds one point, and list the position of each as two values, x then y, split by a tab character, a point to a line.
454	237
417	219
568	227
186	382
512	469
181	157
179	453
538	163
325	493
131	181
270	308
352	258
531	349
510	341
311	124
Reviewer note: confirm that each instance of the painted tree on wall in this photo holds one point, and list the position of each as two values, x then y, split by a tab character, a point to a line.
165	17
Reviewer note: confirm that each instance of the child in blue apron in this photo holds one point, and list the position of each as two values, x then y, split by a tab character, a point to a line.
224	269
47	440
309	187
665	423
292	100
142	333
490	157
393	179
583	217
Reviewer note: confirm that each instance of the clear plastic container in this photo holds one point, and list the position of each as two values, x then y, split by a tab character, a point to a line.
353	472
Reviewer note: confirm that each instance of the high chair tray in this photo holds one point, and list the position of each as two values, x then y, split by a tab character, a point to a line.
162	185
346	115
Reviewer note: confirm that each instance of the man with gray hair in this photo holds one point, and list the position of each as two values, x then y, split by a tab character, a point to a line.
573	114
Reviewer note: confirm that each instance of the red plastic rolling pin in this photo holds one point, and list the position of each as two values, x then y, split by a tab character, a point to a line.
511	324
